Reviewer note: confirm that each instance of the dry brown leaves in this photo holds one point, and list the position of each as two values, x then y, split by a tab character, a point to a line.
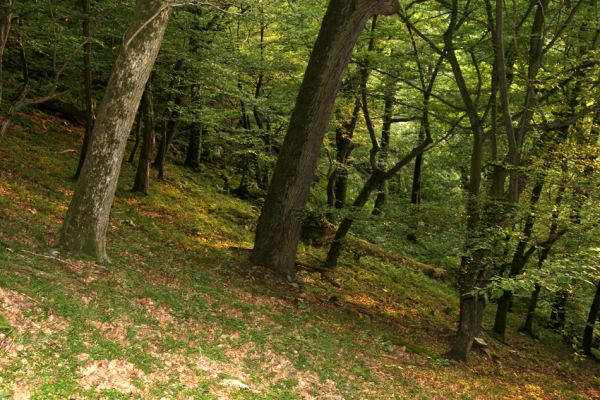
114	374
15	306
153	310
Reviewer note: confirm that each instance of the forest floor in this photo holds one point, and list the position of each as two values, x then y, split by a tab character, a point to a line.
181	313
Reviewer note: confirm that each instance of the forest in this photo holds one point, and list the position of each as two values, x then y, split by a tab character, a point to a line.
287	199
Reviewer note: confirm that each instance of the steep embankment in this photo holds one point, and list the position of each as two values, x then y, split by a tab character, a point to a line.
180	313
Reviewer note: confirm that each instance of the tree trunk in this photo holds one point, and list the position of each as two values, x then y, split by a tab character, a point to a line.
520	258
194	149
87	83
5	23
335	249
388	110
278	229
528	325
337	184
171	124
588	333
558	313
472	306
138	134
86	222
142	176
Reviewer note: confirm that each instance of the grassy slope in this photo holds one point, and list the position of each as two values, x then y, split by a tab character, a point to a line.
180	310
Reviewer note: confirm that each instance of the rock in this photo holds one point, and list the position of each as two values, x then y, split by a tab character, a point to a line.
234	383
479	342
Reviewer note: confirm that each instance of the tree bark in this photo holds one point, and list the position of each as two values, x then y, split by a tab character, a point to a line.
474	268
336	246
142	176
337	184
194	149
5	24
171	124
137	128
520	258
533	300
87	83
588	332
559	311
278	229
86	222
388	110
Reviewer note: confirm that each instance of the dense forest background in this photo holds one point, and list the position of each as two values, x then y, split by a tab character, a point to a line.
455	139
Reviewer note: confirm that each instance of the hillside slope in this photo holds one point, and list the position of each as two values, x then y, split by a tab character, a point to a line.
180	312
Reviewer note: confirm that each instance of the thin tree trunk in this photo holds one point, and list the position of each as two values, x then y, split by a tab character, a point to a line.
336	246
559	311
87	83
588	332
5	24
528	325
278	229
194	149
520	258
388	110
142	176
138	134
337	184
171	124
86	222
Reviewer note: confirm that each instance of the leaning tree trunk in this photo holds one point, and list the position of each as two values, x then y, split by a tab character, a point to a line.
86	222
519	260
87	84
278	229
588	333
5	22
142	176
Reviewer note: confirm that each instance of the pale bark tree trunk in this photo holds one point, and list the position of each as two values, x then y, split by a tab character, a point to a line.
278	229
86	222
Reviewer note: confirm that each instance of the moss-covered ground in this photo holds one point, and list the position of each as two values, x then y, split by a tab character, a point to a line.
180	312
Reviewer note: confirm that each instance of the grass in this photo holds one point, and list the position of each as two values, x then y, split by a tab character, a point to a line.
180	309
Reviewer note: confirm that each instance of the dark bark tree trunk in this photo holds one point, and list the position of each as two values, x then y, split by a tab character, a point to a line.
474	270
588	332
377	177
5	24
171	123
337	185
194	149
87	84
335	249
559	311
278	229
138	134
86	222
520	258
388	113
142	176
533	300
